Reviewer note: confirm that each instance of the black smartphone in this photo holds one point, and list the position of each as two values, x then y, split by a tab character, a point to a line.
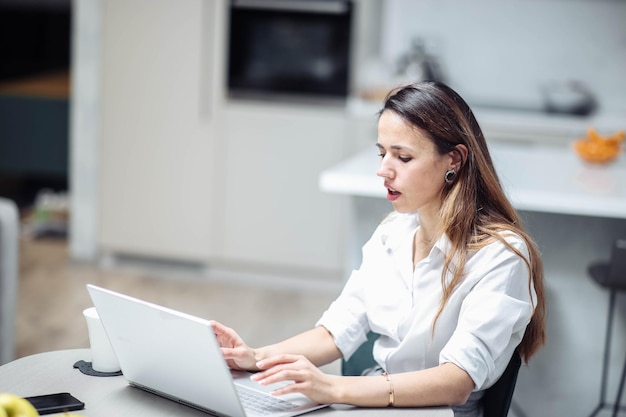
56	403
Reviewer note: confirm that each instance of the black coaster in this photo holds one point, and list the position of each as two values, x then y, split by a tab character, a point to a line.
85	367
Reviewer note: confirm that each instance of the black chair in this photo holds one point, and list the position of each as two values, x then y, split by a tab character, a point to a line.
496	401
361	359
612	276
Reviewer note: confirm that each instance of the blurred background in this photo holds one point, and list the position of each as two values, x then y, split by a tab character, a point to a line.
172	149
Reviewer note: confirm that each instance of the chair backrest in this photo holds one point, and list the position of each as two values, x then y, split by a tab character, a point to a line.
361	359
497	398
617	266
9	248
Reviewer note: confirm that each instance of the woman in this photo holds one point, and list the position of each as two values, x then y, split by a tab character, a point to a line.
450	280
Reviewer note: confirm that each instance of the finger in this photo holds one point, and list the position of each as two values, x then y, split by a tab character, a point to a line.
299	383
220	329
273	361
217	326
226	336
229	353
237	353
281	374
270	369
272	378
288	389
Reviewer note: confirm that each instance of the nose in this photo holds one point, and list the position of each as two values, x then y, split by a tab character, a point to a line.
384	169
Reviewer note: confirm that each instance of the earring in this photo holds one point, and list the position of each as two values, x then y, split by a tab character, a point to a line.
449	176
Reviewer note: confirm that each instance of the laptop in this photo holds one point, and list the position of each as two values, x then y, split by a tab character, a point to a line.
177	356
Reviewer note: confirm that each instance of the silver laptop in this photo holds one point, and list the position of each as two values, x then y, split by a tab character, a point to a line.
176	355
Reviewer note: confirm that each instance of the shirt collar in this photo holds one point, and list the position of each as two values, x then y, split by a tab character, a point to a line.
400	226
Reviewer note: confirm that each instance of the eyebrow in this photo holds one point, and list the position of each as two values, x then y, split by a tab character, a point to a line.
394	147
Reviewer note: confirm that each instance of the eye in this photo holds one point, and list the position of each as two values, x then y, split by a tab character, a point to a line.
405	159
381	154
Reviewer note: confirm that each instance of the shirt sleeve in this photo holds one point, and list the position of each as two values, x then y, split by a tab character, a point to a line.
493	315
346	318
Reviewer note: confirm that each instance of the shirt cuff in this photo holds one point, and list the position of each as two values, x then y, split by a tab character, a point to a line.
347	336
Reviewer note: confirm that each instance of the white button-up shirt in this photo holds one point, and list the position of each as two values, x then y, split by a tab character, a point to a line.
479	327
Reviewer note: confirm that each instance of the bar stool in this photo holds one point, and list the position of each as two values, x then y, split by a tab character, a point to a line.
612	276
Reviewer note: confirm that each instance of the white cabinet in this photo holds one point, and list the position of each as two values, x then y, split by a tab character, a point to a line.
274	211
186	175
160	95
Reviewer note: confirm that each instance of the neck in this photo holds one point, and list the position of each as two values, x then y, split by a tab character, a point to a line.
429	228
425	237
423	242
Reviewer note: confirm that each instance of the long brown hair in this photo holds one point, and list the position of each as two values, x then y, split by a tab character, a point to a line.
475	210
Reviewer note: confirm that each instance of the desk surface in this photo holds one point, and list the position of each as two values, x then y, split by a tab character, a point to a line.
50	372
544	178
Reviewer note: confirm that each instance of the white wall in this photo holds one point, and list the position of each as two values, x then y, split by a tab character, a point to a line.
503	51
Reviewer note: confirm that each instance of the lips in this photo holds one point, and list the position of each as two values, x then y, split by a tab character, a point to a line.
392	194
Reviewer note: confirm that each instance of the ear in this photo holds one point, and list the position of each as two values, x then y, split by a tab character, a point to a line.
459	156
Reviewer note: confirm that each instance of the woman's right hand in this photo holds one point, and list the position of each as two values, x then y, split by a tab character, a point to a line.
237	354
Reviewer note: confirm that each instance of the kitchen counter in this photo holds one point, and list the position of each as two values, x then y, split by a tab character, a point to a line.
536	177
520	124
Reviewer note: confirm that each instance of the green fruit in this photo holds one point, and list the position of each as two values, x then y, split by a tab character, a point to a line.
12	405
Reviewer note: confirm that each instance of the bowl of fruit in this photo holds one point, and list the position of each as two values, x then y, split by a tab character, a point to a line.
599	149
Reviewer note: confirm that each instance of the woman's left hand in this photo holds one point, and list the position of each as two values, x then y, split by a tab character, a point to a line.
307	378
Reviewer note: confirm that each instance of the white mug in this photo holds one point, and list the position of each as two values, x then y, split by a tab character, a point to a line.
103	357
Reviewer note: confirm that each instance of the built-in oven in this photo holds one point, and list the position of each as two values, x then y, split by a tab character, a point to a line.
289	48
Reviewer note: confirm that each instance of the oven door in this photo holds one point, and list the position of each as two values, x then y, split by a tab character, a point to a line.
289	47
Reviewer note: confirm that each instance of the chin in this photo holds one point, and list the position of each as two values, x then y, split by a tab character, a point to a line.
402	210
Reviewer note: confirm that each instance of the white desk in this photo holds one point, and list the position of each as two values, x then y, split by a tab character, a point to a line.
544	178
51	372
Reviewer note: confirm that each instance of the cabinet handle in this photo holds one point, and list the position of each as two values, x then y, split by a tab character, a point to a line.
319	6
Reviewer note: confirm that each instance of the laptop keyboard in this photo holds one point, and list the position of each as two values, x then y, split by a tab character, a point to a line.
263	404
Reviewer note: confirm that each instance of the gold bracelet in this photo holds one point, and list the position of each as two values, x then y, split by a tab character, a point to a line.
391	391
